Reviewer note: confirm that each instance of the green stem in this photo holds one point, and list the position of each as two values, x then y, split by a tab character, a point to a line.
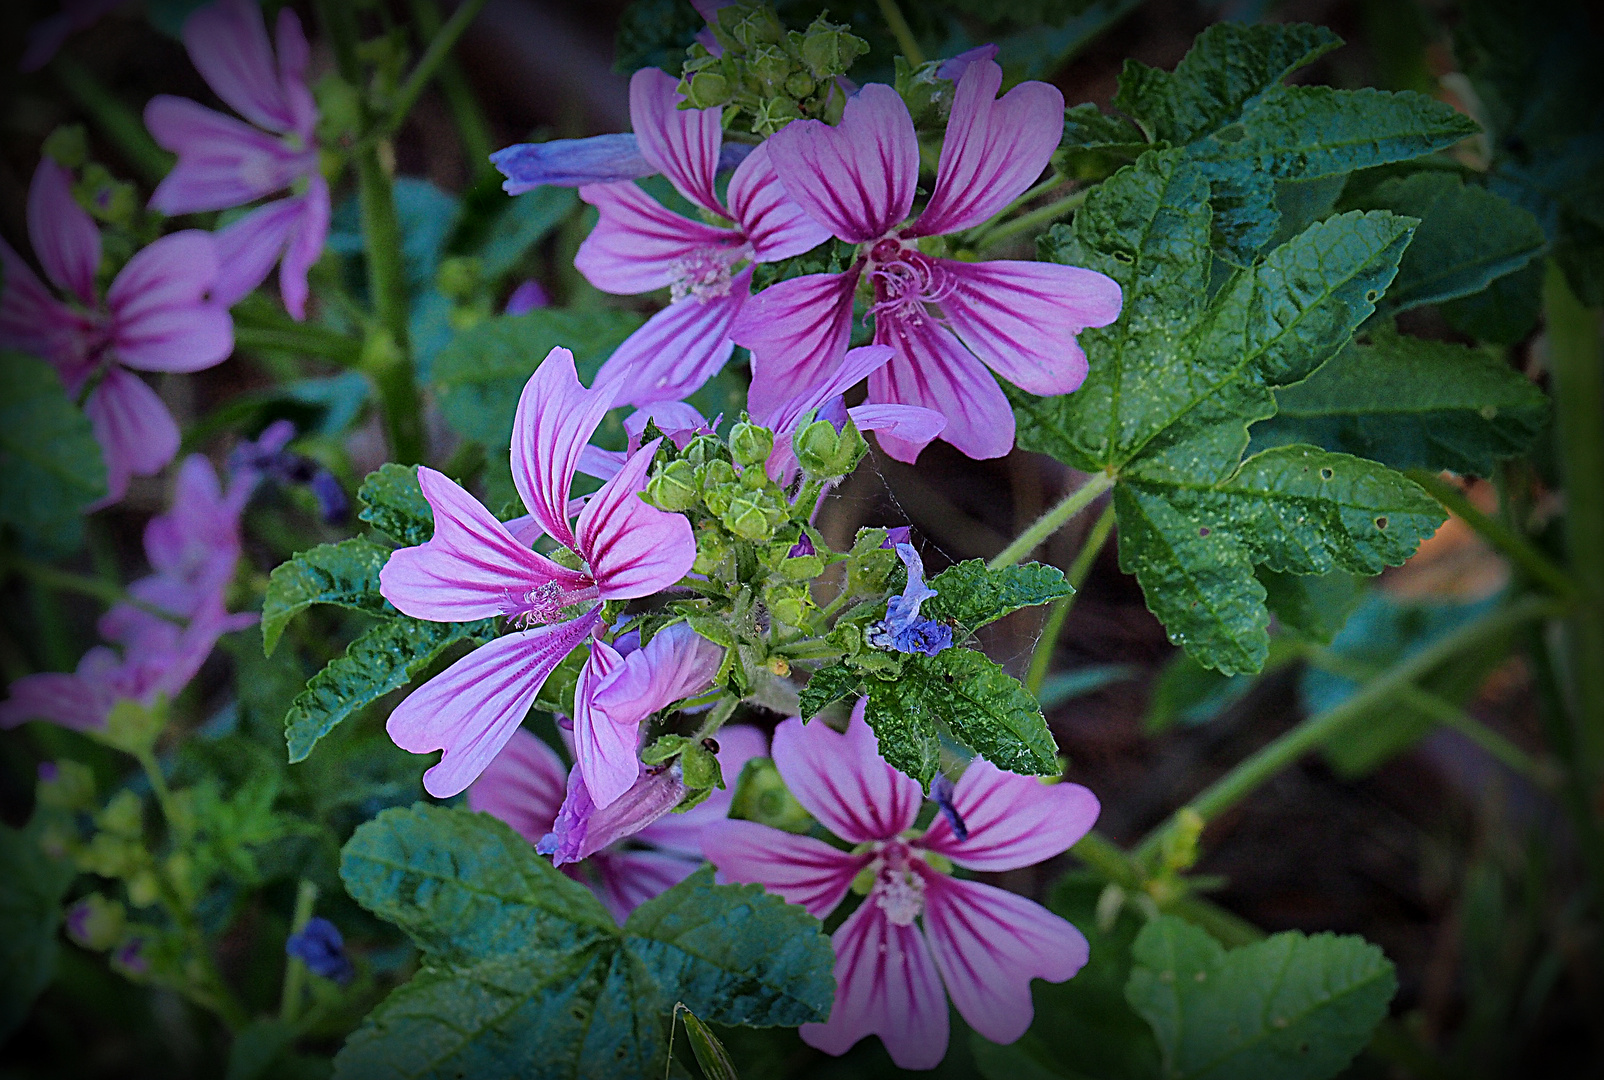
66	581
1107	860
441	41
900	30
1045	215
256	331
1312	732
1052	520
473	128
116	120
1041	660
1447	714
1577	369
289	1006
1000	216
1515	547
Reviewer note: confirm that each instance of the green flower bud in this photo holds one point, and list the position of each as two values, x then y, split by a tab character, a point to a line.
752	26
773	114
798	85
460	278
68	146
711	548
715	474
769	66
707	90
702	449
867	571
123	816
96	922
829	49
700	766
751	444
66	785
761	796
673	488
143	889
746	516
817	446
802	568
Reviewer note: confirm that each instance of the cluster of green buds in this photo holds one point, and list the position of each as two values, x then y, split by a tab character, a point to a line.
767	75
461	279
125	226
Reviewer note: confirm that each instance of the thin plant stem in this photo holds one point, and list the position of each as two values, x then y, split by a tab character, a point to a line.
258	330
900	30
119	123
1110	862
65	581
1511	544
473	128
441	41
1052	520
1042	216
1577	368
1024	200
289	1006
1041	660
1313	732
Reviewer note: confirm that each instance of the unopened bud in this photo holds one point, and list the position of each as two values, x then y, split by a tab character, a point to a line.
707	90
750	444
829	50
67	146
673	488
746	517
773	114
459	278
761	796
96	922
65	785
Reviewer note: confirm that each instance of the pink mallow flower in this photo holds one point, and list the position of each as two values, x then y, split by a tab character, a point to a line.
524	787
638	245
158	315
475	567
224	162
947	320
193	549
983	944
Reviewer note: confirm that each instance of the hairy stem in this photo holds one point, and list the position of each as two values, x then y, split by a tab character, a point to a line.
1041	660
1052	520
900	30
1025	222
1511	544
116	120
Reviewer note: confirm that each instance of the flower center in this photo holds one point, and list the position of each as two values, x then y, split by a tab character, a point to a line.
704	273
904	280
899	889
544	603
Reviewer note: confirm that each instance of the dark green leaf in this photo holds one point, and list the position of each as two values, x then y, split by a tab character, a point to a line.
385	658
1467	238
345	574
393	503
528	219
526	975
30	909
827	685
1503	313
1314	606
480	374
1411	403
1292	1007
905	727
51	462
255	1048
972	595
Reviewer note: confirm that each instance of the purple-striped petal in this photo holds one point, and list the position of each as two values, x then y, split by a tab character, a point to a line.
228	44
627	879
798	869
33	321
994	149
64	237
856	179
600	159
989	944
933	370
677	663
222	162
1012	820
305	247
248	248
604	746
679	348
294	58
843	781
471	568
912	428
583	828
472	708
555	419
162	318
682	144
798	332
855	366
69	700
523	786
737	744
632	548
886	985
776	227
137	434
1021	318
638	244
954	67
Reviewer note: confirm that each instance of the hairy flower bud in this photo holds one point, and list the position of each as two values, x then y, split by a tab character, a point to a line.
761	796
674	487
96	922
829	49
706	90
746	516
751	444
65	785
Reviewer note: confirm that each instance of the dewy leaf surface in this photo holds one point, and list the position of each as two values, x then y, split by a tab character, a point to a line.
1292	1007
385	658
1411	403
51	462
972	595
345	574
393	503
526	975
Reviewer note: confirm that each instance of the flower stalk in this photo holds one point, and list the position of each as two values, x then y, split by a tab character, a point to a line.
1052	520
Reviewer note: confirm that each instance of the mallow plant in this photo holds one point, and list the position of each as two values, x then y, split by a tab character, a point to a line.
584	729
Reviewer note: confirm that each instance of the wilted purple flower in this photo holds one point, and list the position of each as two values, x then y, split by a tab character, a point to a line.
476	567
898	534
46	37
320	947
947	320
904	629
599	159
639	246
803	546
526	298
223	162
978	945
158	315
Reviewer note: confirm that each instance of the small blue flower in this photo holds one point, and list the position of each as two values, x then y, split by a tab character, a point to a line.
904	629
321	948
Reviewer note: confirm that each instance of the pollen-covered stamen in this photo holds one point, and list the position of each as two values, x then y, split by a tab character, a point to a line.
904	280
704	273
544	603
899	889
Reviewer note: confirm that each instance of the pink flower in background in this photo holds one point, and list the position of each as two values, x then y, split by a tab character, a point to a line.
224	162
638	245
46	37
475	567
946	320
158	315
193	549
524	787
982	944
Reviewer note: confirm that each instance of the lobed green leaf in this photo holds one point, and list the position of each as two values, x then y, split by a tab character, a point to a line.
393	503
345	574
31	891
972	595
829	684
